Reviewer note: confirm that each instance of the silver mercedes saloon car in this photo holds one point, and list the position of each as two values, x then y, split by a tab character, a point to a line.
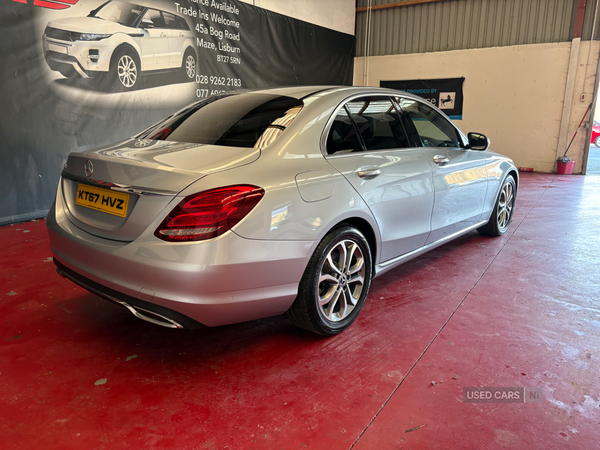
253	204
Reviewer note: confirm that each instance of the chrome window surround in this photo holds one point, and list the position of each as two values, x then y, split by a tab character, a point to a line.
392	95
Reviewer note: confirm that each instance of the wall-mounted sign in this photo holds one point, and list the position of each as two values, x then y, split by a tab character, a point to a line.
446	93
79	74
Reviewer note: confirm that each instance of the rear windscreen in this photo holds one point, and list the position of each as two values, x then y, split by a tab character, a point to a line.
234	120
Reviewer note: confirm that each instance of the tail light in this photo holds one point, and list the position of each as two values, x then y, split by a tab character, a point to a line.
209	214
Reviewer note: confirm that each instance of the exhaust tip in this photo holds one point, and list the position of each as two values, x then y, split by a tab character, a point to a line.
147	315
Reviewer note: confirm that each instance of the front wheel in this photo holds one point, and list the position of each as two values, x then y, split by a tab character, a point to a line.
597	141
503	209
335	283
124	70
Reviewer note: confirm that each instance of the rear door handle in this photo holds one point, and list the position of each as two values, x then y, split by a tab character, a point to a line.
367	172
441	159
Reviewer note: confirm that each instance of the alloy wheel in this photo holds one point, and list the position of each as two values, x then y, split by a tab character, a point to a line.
505	205
341	280
190	66
127	71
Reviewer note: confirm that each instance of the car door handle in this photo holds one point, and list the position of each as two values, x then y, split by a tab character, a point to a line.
365	172
441	159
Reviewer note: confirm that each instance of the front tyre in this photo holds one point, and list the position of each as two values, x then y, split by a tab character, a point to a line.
124	70
335	283
503	209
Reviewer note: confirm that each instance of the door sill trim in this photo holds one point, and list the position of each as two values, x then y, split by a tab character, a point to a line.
391	263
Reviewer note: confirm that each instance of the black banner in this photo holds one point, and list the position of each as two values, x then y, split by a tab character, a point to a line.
446	94
78	74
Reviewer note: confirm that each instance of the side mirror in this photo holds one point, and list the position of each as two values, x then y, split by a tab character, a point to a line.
478	141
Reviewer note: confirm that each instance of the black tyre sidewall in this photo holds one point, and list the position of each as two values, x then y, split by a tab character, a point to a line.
501	231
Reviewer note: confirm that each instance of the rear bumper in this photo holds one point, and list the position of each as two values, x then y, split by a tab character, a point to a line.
144	310
222	281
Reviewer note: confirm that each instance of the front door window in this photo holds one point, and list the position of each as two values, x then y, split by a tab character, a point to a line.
434	129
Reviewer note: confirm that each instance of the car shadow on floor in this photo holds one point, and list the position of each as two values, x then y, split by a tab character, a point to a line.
118	330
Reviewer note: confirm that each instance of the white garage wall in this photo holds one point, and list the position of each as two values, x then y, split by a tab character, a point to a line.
338	15
512	94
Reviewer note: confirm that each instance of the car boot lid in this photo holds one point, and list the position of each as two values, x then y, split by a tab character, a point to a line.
146	176
160	165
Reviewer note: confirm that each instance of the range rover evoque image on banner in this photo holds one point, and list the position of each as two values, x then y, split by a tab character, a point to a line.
117	42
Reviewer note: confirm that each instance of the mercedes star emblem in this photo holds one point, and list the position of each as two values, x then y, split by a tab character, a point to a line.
143	142
88	167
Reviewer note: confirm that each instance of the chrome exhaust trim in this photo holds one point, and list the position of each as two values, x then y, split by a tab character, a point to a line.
138	312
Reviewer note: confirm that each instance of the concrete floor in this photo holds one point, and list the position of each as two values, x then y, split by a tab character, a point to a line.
77	372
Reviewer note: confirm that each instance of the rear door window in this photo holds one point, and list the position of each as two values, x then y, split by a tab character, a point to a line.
379	123
170	21
369	123
181	23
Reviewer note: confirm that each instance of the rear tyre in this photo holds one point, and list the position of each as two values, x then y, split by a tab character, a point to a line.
189	65
335	283
503	209
597	141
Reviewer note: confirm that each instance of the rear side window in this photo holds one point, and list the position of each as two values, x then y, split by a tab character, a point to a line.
343	137
181	23
369	123
434	129
238	120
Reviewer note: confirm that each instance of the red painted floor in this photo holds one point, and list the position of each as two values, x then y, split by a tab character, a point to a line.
77	372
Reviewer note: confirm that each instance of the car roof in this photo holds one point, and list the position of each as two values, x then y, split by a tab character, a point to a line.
298	92
301	92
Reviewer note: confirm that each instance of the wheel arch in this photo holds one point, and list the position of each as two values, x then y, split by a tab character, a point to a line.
191	48
367	230
187	50
307	311
508	168
515	175
126	46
